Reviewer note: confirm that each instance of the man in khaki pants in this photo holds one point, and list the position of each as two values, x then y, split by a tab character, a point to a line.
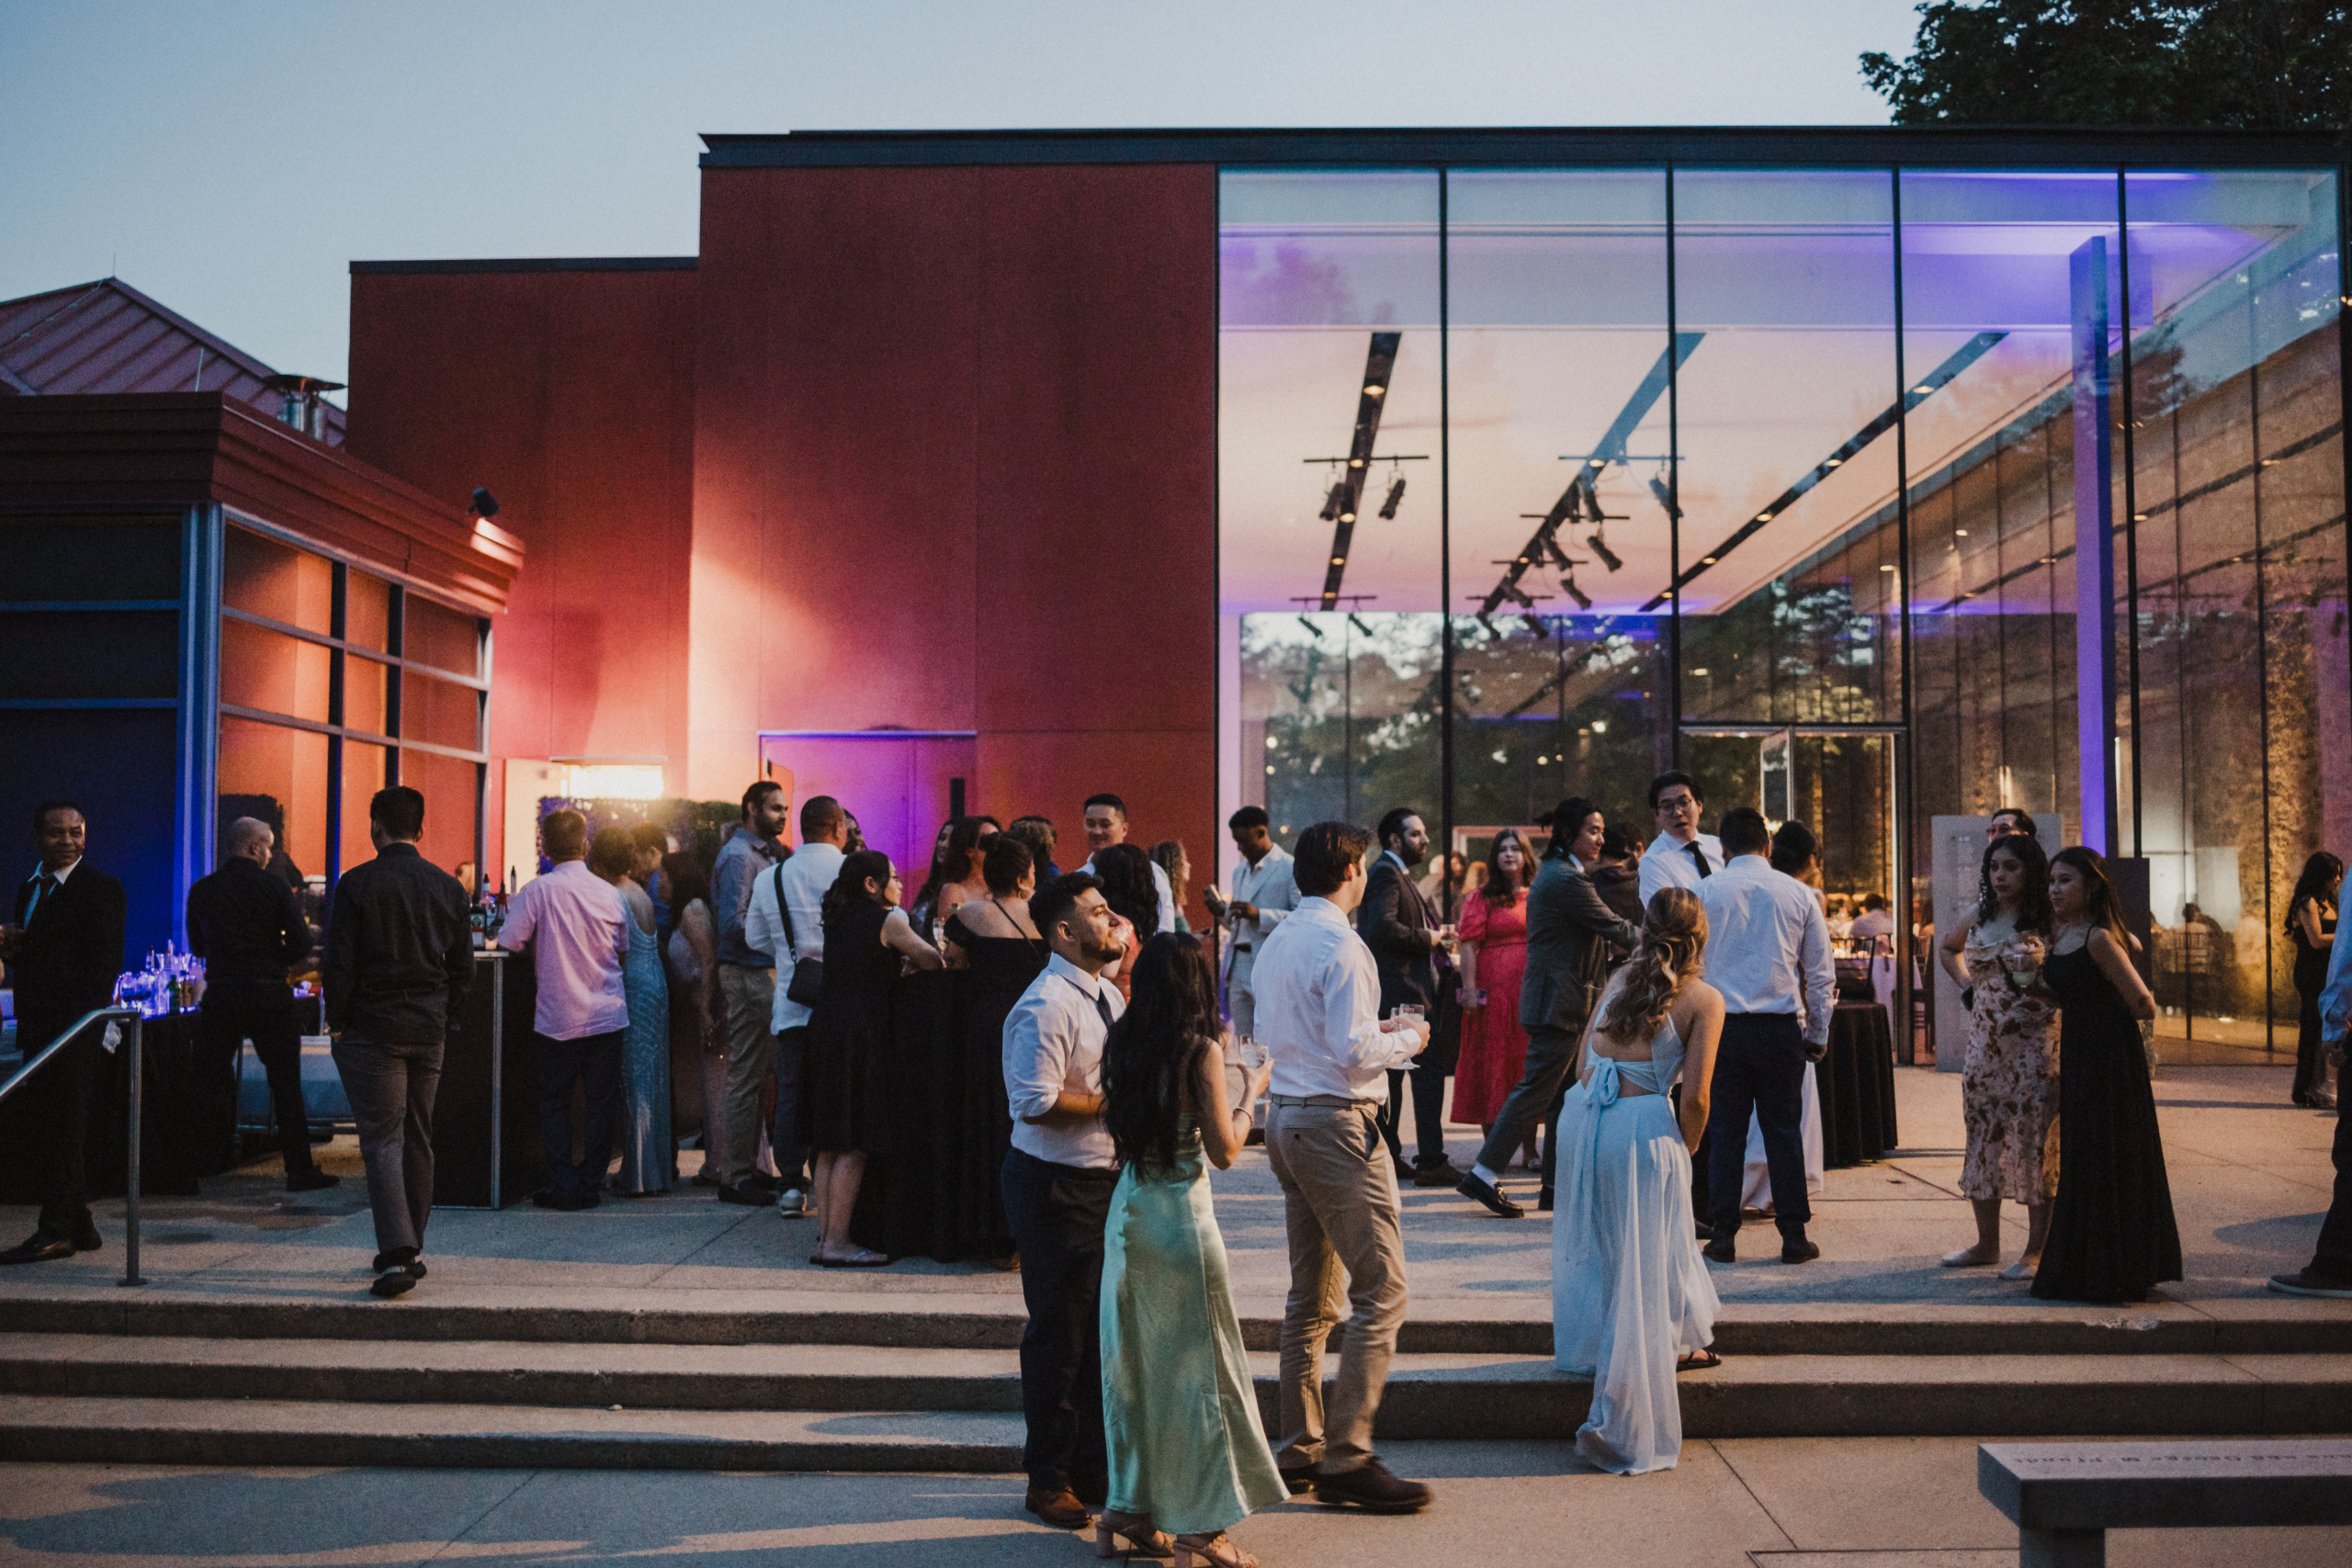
1317	993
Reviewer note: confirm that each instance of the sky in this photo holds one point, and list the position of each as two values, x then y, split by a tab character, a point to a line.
230	159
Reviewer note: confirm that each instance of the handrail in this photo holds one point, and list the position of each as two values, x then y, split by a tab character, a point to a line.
135	1062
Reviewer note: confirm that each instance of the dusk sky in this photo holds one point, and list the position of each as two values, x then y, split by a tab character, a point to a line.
230	159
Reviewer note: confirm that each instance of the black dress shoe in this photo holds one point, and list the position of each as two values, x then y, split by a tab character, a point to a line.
1438	1172
1373	1489
311	1181
562	1203
1471	1186
1796	1249
746	1193
1720	1250
86	1238
42	1246
394	1281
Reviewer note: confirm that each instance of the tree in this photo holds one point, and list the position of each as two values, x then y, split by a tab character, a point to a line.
2252	64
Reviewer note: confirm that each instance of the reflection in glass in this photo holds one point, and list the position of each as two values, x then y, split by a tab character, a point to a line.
1558	364
262	577
273	673
1339	714
268	770
442	637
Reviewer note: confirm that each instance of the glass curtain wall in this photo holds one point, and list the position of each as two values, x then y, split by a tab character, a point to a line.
334	684
1820	430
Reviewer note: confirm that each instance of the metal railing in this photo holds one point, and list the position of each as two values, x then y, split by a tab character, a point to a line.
133	1062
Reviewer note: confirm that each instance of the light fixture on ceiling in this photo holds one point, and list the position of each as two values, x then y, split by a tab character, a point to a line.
1601	727
1706	560
1960	533
1357	622
1665	499
1312	629
1535	624
1395	496
1339	560
1599	547
1334	503
1347	517
1833	462
1702	669
1373	390
1569	586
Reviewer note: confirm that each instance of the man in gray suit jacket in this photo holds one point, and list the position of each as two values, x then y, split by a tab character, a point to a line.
1570	932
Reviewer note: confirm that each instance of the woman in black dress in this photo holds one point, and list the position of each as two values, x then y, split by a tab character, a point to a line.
843	1095
2311	925
2111	1233
995	944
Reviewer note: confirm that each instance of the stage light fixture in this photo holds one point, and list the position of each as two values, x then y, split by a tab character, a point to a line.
485	505
1665	499
1599	546
1357	622
1535	624
1569	586
1334	503
1312	629
1396	495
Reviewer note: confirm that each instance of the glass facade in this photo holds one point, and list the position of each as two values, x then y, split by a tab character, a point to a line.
1868	495
334	683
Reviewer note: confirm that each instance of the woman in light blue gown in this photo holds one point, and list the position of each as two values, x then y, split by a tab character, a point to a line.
649	1146
1630	1298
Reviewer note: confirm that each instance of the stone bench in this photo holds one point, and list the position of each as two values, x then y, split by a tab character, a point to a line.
2066	1497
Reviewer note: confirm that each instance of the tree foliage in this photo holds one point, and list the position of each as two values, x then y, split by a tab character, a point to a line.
2252	64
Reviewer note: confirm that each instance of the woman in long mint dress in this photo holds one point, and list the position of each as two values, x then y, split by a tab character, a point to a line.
1179	1412
648	1148
1631	1299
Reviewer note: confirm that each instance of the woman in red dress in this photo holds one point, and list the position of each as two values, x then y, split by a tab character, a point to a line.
1494	962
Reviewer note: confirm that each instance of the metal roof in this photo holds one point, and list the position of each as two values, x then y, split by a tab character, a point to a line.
107	337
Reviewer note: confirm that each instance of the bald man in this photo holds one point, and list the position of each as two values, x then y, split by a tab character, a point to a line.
242	921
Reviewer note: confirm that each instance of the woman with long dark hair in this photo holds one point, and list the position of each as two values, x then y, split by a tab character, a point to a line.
1630	1298
1180	1413
1000	946
2009	1085
1124	872
2112	1236
843	1089
697	1045
2311	926
1494	967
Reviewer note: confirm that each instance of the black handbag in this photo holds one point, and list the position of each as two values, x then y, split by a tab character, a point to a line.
808	980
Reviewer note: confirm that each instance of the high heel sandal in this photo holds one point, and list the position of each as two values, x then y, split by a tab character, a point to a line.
1139	1534
1210	1551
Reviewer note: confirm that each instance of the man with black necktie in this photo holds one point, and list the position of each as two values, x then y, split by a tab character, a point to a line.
64	949
1396	922
1059	1178
1680	856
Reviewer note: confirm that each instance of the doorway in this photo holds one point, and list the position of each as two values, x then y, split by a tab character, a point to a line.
900	784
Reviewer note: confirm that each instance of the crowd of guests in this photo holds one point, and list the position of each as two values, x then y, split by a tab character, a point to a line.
1655	1005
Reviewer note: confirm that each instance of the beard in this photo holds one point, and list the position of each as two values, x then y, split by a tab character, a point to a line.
1104	952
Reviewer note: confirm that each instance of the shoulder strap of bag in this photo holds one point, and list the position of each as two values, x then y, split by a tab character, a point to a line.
791	943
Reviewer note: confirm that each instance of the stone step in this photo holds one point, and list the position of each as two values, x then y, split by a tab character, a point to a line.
2258	1326
1428	1395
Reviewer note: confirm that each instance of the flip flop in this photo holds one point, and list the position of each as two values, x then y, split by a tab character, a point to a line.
1699	1362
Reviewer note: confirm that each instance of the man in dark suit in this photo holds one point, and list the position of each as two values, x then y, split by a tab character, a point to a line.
1569	933
1396	922
242	921
64	948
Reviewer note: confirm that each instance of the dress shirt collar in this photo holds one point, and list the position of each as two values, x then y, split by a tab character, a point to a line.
395	848
1089	984
1322	911
56	877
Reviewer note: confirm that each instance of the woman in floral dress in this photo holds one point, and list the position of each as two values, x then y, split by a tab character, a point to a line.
2008	1086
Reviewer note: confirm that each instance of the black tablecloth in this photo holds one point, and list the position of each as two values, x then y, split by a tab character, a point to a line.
1857	1084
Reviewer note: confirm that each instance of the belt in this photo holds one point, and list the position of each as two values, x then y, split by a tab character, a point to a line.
1333	1100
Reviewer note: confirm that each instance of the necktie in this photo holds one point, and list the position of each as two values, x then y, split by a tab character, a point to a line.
1102	1002
1699	857
43	885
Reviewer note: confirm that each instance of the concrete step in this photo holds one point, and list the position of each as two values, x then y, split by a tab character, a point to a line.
1508	1327
1427	1397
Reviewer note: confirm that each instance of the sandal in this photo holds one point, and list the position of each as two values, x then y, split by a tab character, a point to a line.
1699	1362
1210	1551
1137	1531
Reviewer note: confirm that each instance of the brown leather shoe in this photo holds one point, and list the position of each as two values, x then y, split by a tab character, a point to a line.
1373	1489
1059	1507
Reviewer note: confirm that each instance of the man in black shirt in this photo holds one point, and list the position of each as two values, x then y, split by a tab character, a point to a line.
244	923
399	956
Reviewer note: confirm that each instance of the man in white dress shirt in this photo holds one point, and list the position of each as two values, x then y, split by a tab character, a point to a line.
789	932
1263	892
1106	824
1680	856
1768	952
1059	1178
1317	993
